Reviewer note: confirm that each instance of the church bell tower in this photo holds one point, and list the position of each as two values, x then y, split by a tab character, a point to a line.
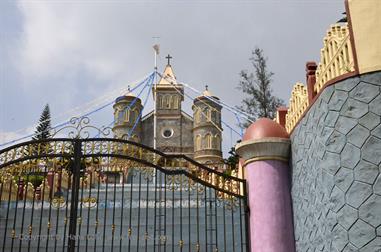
127	124
169	96
207	130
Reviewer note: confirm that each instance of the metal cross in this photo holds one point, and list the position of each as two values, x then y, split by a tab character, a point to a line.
169	57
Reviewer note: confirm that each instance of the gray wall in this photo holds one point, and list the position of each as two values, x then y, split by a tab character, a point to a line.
336	181
180	142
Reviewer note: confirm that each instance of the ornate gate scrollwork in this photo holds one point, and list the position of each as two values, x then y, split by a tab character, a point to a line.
86	193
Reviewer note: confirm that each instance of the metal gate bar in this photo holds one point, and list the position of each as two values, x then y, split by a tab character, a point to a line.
121	194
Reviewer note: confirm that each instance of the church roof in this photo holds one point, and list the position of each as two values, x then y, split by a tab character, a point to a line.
168	77
207	93
128	95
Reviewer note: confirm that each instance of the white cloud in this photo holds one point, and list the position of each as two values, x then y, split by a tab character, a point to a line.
78	50
10	137
61	39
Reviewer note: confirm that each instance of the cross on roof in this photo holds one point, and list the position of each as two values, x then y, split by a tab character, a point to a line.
169	57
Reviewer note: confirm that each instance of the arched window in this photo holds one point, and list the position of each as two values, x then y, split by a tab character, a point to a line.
120	116
159	101
126	115
217	142
175	102
166	102
169	102
198	143
208	139
207	114
133	114
214	116
116	116
163	102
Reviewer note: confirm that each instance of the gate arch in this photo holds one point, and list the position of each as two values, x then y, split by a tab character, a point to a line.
72	194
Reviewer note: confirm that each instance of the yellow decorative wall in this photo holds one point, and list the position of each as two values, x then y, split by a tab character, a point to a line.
298	104
336	57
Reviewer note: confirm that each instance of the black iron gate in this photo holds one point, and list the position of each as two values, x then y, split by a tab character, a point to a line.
104	194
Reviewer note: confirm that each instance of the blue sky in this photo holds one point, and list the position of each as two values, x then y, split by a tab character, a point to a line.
69	53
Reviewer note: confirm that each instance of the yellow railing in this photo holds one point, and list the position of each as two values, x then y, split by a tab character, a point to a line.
298	104
336	59
336	56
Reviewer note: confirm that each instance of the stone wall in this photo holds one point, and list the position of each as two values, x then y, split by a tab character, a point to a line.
336	181
181	141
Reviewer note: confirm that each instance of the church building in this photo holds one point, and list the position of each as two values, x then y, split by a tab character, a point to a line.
198	136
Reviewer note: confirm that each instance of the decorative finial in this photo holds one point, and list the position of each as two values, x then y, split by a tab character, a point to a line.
169	57
206	87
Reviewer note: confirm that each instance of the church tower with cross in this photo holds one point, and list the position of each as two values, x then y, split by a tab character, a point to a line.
207	130
197	136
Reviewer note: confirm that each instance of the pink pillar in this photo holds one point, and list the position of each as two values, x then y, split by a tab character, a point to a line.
265	150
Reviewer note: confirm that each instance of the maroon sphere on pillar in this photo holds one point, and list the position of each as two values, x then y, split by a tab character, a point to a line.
263	128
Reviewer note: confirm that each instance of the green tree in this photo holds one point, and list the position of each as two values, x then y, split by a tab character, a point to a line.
256	85
233	159
42	132
44	125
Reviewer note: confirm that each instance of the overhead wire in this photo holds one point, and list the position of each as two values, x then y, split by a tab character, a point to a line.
223	104
141	111
150	79
235	111
68	121
134	100
132	103
188	96
89	105
181	93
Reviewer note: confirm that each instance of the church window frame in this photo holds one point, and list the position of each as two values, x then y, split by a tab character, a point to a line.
217	142
120	116
167	132
207	114
135	114
214	116
159	101
126	115
167	102
175	102
208	141
163	102
198	142
116	113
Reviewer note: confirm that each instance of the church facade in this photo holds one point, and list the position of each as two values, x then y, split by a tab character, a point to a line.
198	136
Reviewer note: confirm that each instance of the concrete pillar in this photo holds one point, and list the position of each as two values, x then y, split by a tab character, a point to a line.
265	150
311	80
281	113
